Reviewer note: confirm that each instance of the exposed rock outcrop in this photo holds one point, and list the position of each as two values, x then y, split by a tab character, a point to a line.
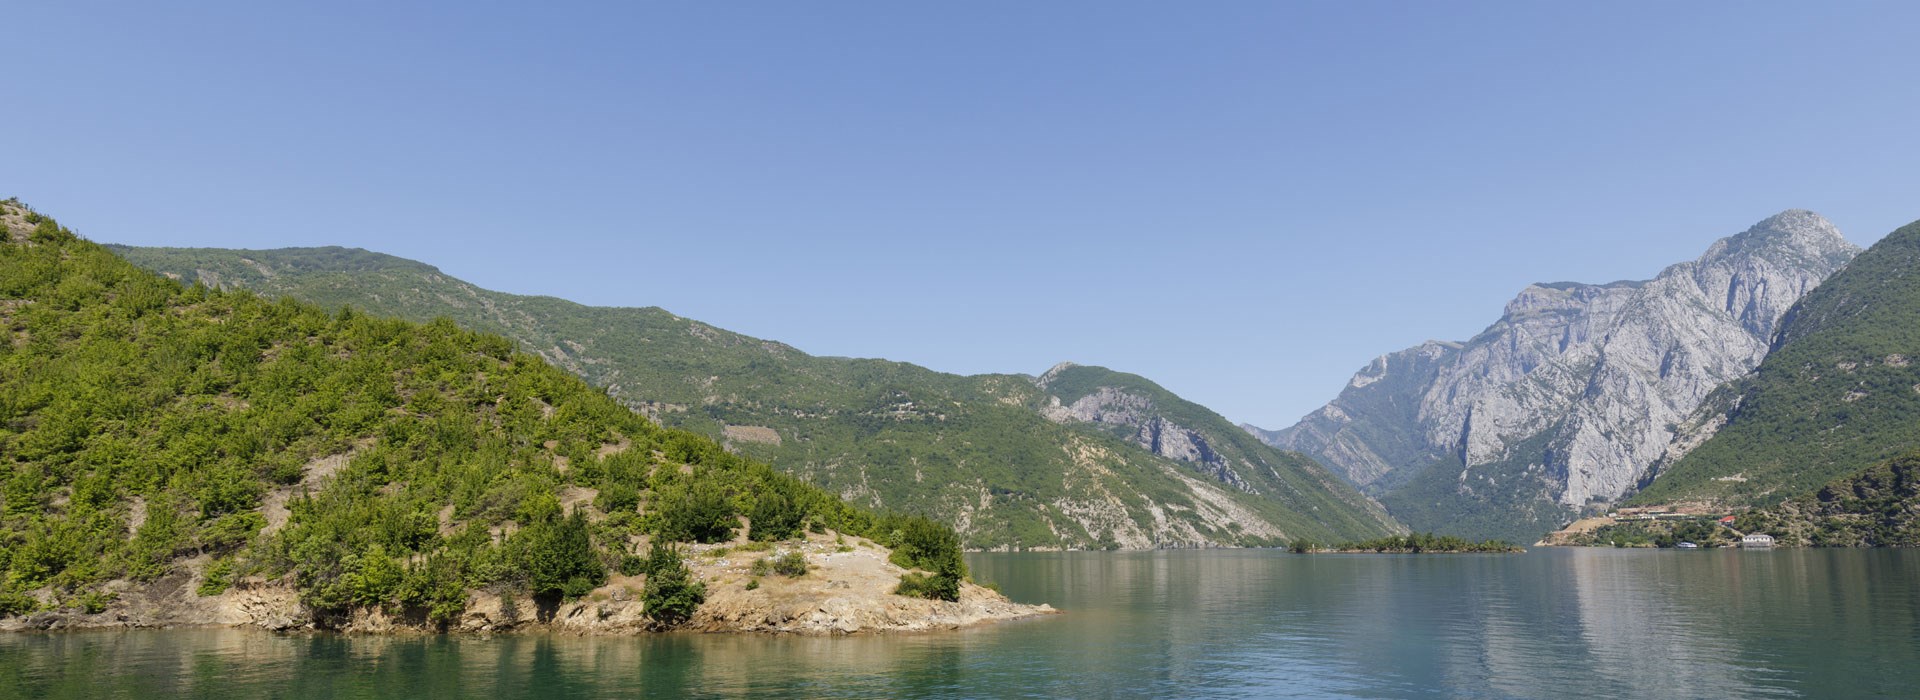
1151	432
847	590
1578	388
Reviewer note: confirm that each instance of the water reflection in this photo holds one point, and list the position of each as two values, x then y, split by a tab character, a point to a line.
1553	623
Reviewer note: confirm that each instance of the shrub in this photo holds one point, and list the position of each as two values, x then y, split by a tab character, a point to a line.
95	602
437	586
560	559
775	517
671	595
790	564
920	543
14	602
618	497
929	586
217	578
699	511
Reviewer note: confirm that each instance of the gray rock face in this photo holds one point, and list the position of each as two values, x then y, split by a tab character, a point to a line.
1583	384
1154	433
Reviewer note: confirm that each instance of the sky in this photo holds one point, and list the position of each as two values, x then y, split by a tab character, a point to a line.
1243	201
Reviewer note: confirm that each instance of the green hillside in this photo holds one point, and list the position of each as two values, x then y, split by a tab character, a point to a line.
1839	392
1878	507
1222	450
973	451
152	430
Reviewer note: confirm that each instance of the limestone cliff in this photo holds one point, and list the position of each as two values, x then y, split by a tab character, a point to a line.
1569	397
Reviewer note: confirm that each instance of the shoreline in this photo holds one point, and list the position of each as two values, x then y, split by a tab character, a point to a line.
847	590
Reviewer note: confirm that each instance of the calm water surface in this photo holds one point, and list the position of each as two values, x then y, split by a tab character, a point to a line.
1551	623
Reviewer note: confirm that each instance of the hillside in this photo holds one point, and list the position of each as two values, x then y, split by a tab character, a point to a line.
169	447
1877	507
1564	402
977	452
1839	392
1136	410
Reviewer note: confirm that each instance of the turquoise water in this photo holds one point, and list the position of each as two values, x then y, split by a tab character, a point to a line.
1550	623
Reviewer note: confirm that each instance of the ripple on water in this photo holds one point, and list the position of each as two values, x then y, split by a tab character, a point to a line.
1551	623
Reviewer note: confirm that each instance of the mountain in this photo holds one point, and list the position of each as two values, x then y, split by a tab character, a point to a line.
175	453
1568	399
993	455
1839	392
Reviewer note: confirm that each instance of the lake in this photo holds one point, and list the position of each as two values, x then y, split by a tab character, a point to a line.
1219	623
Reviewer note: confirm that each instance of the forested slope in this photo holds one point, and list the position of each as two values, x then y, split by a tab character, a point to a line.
154	430
976	452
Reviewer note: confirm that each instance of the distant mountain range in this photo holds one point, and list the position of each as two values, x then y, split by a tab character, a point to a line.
1571	397
1078	457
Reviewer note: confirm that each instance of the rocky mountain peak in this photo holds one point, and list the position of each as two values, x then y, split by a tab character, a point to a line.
1567	399
1053	373
1791	236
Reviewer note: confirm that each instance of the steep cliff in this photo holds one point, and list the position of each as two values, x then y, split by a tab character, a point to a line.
1840	392
1572	394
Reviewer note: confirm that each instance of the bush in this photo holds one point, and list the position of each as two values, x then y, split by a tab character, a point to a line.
217	578
931	587
699	511
790	564
671	595
95	602
920	543
437	586
14	602
560	559
618	497
776	517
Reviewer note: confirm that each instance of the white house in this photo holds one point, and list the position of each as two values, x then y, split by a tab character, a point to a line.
1758	539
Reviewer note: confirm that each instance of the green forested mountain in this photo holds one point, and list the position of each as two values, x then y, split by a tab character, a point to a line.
1877	507
979	452
1135	410
149	428
1838	393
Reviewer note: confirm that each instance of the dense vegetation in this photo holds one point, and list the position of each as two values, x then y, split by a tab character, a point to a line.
1415	543
1839	392
1657	533
1878	507
1511	499
973	450
1294	480
368	462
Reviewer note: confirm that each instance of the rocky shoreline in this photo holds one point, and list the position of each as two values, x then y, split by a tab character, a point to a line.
848	589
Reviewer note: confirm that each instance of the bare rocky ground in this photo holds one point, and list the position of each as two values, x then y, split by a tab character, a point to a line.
848	589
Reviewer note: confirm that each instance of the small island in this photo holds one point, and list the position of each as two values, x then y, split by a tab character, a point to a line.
1414	543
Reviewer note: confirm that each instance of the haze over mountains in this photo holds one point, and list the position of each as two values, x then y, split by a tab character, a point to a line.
1080	457
1568	398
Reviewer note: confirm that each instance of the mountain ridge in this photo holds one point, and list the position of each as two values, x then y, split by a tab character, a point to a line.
1566	400
868	430
1838	392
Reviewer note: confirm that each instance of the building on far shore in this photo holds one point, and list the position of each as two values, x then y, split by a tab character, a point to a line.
1758	539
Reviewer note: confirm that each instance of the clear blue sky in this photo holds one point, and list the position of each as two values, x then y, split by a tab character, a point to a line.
1243	201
